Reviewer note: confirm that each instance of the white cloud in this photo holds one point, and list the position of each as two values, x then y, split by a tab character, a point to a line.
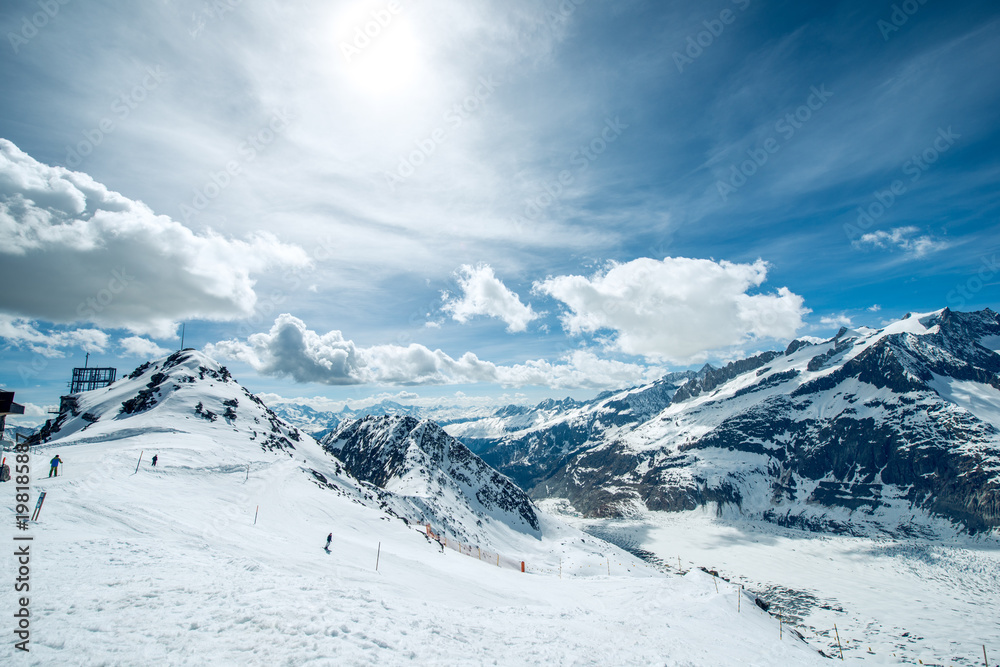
874	308
78	252
134	346
457	400
484	294
907	239
677	309
836	321
23	333
292	350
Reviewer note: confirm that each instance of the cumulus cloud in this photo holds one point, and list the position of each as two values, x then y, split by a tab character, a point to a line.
136	346
78	252
907	239
677	309
484	294
20	332
290	349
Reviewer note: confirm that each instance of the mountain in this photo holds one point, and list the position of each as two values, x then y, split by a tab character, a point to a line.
895	429
528	443
162	396
444	483
426	475
316	423
319	423
215	555
10	431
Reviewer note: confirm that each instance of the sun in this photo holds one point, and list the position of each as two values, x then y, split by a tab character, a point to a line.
378	50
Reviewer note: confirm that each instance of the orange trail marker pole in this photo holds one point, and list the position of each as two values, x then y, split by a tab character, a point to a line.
138	462
378	555
255	515
838	642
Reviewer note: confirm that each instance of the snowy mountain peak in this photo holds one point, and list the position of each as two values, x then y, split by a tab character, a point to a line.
891	429
165	394
448	485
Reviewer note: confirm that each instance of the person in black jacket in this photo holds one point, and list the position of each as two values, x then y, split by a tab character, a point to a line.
154	460
329	538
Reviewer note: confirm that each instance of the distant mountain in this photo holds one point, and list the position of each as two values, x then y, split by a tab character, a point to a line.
10	431
891	430
318	423
441	480
528	443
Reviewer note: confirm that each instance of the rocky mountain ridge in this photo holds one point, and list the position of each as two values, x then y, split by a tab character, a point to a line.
417	460
895	429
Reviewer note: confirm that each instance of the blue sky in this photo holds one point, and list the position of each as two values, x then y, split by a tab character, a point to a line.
510	200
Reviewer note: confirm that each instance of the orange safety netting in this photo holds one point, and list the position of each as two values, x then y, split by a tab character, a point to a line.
473	551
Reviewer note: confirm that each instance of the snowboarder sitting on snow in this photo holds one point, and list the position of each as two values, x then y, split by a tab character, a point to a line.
329	538
54	470
154	460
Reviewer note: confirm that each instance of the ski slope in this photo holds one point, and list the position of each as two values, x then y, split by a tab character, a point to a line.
215	556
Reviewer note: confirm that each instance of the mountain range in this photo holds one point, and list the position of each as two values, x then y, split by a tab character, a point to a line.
892	429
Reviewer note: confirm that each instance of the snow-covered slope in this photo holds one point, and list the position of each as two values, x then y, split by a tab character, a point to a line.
214	556
893	429
443	483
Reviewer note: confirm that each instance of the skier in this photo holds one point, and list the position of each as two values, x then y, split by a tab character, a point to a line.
54	470
329	538
154	460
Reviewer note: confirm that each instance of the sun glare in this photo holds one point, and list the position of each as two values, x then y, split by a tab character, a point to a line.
378	50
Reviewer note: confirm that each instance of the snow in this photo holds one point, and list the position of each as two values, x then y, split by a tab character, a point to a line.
215	557
982	400
893	601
